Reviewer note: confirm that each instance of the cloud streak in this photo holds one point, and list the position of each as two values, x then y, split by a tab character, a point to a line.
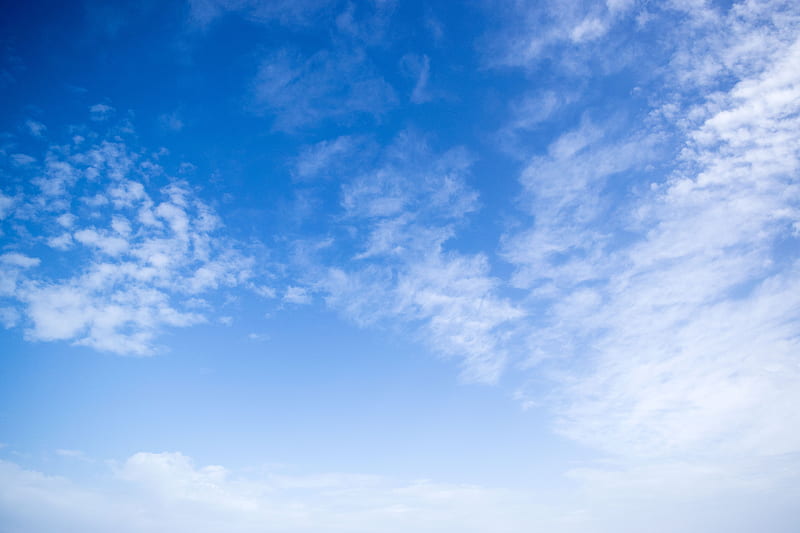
334	84
686	329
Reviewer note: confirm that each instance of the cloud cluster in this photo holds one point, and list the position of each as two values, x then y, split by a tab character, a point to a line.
123	256
400	216
682	302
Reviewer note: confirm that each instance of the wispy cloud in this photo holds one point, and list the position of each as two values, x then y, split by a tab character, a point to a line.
75	455
100	112
418	67
336	84
22	160
403	212
532	32
708	301
290	12
529	113
565	195
171	121
296	295
325	158
682	301
35	128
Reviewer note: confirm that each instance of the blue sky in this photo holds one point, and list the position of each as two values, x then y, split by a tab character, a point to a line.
334	266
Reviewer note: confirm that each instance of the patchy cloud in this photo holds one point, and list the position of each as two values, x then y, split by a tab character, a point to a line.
101	112
35	128
138	255
325	158
302	91
679	299
404	211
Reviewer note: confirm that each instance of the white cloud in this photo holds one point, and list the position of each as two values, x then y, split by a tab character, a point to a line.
263	290
323	157
165	491
680	306
532	32
72	454
67	220
19	260
109	244
171	121
368	23
456	296
100	112
60	242
6	203
22	160
564	191
290	12
716	358
152	492
528	114
676	495
9	317
736	43
404	211
296	295
419	68
35	128
136	262
331	84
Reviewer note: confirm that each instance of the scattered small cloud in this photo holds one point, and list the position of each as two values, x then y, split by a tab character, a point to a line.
142	253
6	205
72	454
35	128
297	295
101	112
22	160
9	318
16	259
171	121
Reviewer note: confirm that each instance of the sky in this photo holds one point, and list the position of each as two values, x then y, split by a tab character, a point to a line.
389	266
